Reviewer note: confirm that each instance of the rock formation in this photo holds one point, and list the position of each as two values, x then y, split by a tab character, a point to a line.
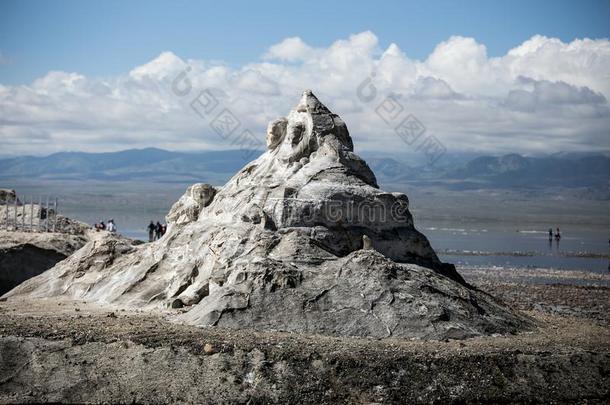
301	239
7	196
24	255
27	252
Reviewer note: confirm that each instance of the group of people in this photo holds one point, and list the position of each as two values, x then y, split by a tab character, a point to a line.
557	234
110	226
156	231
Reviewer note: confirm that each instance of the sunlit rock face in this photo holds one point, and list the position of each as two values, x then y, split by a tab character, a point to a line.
301	239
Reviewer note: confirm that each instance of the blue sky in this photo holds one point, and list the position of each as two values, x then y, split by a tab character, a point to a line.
111	37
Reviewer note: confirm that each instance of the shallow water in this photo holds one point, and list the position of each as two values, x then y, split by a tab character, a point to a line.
498	245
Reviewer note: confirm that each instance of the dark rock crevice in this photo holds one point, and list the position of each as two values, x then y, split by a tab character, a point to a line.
22	262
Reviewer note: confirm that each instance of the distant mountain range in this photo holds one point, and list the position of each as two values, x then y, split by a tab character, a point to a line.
151	165
511	171
507	171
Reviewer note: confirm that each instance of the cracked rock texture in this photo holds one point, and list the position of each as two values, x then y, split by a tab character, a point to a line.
301	239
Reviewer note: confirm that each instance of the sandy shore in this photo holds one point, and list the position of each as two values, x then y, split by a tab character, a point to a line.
68	351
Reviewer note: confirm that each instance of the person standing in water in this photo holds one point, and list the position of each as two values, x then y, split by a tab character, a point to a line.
557	234
151	231
550	233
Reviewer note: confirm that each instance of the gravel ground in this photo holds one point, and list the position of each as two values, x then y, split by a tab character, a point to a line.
573	293
68	351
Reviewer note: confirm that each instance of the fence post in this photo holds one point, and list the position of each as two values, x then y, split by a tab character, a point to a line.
46	217
55	215
23	215
32	214
15	212
39	213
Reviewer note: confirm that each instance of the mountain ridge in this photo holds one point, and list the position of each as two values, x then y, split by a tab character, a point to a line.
569	170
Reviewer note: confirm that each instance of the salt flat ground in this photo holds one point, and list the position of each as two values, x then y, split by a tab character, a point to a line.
70	351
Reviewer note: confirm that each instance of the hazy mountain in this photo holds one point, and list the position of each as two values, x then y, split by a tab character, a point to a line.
135	164
581	175
388	168
533	172
587	171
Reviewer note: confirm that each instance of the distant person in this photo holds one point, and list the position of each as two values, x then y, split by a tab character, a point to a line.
550	233
151	231
102	226
557	234
111	226
158	230
163	229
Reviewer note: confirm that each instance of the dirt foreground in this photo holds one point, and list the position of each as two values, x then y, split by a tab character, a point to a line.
66	351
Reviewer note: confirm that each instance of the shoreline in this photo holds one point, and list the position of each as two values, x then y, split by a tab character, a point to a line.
532	276
518	253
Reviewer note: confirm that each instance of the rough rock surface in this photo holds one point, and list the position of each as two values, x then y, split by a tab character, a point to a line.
59	351
7	196
189	206
24	255
280	246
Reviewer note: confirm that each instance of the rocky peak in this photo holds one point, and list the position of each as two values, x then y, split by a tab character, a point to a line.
312	132
309	128
311	182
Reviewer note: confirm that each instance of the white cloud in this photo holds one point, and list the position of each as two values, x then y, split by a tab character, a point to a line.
542	96
291	49
253	81
430	88
164	65
548	95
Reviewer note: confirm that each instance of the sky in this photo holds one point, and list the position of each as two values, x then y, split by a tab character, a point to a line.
490	77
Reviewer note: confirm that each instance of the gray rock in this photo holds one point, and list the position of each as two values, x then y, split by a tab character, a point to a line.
24	255
361	294
7	196
280	246
276	132
187	208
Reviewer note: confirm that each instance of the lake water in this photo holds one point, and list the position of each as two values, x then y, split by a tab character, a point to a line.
498	245
518	239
